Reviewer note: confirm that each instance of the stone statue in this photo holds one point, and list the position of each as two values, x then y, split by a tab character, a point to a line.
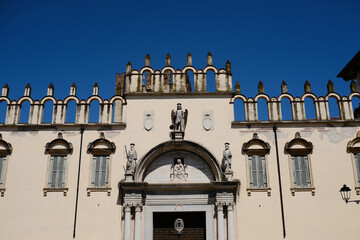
179	118
227	159
131	156
179	170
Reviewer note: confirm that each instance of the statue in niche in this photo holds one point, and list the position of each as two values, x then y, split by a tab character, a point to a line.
227	159
131	156
178	171
179	119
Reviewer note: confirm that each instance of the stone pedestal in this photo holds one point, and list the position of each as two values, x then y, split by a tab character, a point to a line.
129	177
228	176
177	136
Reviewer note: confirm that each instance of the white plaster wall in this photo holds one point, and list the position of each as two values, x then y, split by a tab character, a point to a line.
27	214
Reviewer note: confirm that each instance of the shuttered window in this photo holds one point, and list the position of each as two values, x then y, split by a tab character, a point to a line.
257	171
357	164
301	172
2	170
100	171
57	171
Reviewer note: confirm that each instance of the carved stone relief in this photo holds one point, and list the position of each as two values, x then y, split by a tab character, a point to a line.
148	120
208	118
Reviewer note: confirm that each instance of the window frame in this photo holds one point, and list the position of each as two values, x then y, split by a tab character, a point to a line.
100	147
52	149
4	153
353	147
256	147
292	149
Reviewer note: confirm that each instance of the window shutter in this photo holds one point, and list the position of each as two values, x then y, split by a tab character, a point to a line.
93	172
2	170
260	171
357	162
107	171
54	171
64	171
296	170
97	170
103	170
263	162
250	171
254	171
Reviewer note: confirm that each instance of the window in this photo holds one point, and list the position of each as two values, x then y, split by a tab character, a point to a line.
256	151
58	151
299	151
353	147
5	151
257	171
100	150
100	174
57	171
301	174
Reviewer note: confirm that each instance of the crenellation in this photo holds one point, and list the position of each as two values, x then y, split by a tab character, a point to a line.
167	81
5	91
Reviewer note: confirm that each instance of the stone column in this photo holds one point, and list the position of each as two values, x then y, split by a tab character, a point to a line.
127	227
137	230
230	221
220	221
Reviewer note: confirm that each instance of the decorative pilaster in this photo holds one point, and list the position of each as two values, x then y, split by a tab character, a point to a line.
127	228
230	221
220	221
137	229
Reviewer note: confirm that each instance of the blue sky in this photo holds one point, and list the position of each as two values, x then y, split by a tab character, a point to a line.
62	42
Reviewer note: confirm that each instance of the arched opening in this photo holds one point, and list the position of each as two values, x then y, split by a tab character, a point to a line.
24	112
94	110
3	110
168	79
210	81
71	111
310	112
239	110
146	80
333	108
356	105
262	108
286	110
189	81
48	112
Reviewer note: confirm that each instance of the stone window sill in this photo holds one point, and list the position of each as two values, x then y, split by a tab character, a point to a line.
98	189
308	189
249	190
64	190
2	191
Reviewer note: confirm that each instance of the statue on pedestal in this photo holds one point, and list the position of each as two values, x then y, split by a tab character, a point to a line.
178	118
131	156
227	159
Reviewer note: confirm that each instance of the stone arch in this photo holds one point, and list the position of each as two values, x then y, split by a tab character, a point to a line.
188	146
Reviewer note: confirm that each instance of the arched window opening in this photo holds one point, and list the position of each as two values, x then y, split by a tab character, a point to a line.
168	80
210	81
146	80
333	108
94	111
356	106
3	110
310	109
239	110
189	81
24	112
48	112
286	111
71	112
262	108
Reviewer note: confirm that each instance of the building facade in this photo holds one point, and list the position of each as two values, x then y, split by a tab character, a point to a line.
167	160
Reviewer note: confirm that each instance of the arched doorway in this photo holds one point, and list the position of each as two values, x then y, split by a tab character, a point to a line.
177	192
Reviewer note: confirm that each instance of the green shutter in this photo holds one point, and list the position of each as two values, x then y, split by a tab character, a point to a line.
296	170
254	171
2	170
357	162
250	171
263	162
301	171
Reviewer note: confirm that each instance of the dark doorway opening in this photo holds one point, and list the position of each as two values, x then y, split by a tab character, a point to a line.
194	225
